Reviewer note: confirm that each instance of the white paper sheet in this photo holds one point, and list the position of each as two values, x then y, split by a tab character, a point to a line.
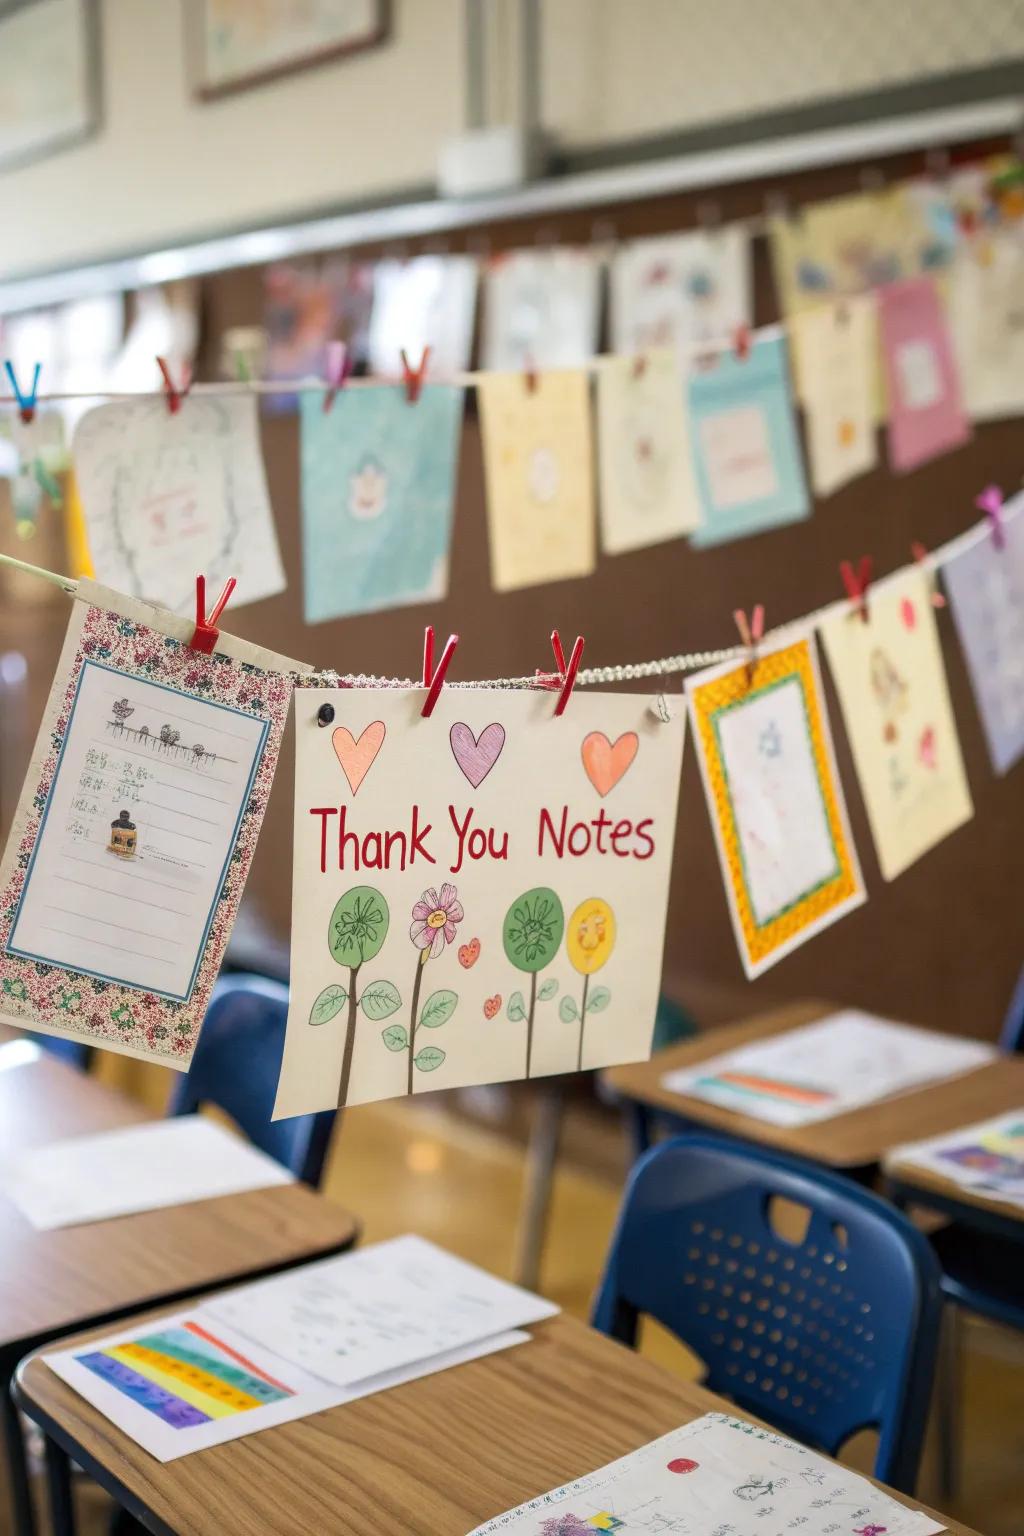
826	1068
987	1159
717	1476
139	1168
385	1307
142	1388
429	301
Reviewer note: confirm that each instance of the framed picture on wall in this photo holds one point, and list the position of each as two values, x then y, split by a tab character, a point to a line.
49	77
234	44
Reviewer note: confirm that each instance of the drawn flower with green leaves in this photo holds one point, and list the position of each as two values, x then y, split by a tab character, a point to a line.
356	934
359	926
532	931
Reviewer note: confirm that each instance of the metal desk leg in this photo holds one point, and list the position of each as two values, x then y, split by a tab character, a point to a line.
15	1456
640	1128
541	1158
58	1483
948	1400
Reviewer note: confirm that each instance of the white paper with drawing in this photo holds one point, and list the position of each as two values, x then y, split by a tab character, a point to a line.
648	492
827	1068
477	896
166	494
350	1318
716	1476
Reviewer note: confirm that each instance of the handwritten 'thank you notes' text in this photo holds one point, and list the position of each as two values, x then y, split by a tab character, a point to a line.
478	896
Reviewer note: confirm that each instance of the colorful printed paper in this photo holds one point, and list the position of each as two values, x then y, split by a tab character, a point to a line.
135	829
348	1319
828	1068
745	447
168	494
985	584
378	491
540	492
188	1382
136	1168
896	709
987	1159
542	309
776	804
428	301
834	346
478	896
648	492
986	316
304	308
716	1476
926	416
680	291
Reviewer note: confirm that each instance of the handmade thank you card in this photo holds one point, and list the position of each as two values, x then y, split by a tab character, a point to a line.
136	827
479	895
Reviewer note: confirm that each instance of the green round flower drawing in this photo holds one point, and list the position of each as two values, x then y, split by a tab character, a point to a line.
532	931
359	926
356	934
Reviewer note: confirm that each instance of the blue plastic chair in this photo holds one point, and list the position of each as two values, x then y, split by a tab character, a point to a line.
75	1052
822	1337
236	1065
1011	1038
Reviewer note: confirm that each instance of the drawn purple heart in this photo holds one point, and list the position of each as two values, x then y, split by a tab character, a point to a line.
477	755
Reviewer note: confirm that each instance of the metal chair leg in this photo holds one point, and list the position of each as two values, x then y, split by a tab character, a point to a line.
949	1402
17	1461
58	1485
541	1157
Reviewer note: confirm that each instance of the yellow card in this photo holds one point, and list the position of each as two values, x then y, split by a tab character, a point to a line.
540	490
835	348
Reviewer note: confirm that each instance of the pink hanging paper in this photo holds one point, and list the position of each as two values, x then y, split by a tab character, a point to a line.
926	416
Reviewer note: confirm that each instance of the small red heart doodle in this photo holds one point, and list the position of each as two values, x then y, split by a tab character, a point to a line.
926	747
683	1464
908	614
491	1005
469	954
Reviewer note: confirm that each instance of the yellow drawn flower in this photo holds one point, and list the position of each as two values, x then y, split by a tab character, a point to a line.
590	935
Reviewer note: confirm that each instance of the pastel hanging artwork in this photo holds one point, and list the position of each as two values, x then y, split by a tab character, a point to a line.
475	913
677	291
926	414
542	309
835	352
648	492
776	804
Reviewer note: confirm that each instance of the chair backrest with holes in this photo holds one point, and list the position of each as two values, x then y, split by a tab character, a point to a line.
236	1065
1012	1036
820	1337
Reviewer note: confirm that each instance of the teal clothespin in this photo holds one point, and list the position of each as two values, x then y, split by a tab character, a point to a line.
26	402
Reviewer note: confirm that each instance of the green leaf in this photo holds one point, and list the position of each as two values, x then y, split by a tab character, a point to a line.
598	1000
380	1000
547	990
330	1002
358	926
533	929
395	1037
438	1009
516	1009
567	1010
429	1059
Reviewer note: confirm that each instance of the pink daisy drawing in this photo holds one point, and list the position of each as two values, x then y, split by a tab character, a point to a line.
434	919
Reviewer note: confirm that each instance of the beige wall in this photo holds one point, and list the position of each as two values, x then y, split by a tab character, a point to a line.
165	166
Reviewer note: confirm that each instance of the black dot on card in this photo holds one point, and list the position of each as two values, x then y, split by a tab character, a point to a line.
325	714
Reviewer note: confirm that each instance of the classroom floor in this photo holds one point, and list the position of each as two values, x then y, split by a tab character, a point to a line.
458	1181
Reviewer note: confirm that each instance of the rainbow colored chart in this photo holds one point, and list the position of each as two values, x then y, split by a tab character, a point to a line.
185	1375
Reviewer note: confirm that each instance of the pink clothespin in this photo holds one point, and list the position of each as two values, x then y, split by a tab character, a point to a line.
991	503
751	633
920	554
857	584
339	366
741	342
26	399
639	365
175	395
433	677
413	377
206	633
564	678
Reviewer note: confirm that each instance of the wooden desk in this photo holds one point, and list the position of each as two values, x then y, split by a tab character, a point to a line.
51	1281
856	1140
433	1458
910	1185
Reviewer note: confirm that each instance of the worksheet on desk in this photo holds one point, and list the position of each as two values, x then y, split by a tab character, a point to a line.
141	820
717	1476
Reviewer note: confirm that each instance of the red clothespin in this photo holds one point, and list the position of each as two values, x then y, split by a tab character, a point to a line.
639	365
433	677
339	366
920	554
413	377
857	584
206	632
751	633
175	395
991	503
564	679
26	401
741	342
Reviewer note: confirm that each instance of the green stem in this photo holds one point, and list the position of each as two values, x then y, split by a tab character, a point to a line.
350	1037
420	968
583	1015
529	1020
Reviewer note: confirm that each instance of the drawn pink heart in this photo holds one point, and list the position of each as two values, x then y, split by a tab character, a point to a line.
926	747
356	756
477	755
491	1005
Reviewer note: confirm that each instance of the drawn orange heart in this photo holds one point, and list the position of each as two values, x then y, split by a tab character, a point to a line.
605	764
356	757
491	1005
469	954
